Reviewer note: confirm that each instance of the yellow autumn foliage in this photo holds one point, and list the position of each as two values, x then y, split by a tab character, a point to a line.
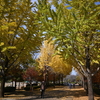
60	66
47	50
48	58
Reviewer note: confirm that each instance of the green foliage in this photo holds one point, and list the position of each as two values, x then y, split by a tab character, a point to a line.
19	31
74	29
77	34
19	34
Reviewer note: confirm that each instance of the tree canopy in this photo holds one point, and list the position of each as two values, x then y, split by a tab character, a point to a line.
75	27
19	34
49	57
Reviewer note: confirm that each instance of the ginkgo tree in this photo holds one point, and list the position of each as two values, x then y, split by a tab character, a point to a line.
74	24
46	53
50	61
60	66
19	35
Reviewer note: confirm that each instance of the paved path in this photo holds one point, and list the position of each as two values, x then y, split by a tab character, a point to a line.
58	93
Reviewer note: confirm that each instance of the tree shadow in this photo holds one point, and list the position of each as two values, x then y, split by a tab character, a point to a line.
65	93
59	92
22	93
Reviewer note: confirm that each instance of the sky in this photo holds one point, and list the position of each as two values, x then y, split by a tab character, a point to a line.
33	0
73	72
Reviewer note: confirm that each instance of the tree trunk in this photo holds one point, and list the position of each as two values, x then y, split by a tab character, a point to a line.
15	84
31	87
54	80
47	78
62	79
19	86
89	78
59	79
2	87
85	84
90	88
12	83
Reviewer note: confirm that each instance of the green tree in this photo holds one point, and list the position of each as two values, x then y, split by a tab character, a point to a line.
75	27
19	35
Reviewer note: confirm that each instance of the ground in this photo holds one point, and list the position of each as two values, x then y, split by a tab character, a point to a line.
58	93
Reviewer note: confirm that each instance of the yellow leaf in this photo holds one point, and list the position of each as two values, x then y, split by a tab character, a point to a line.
2	43
12	24
4	27
11	32
0	67
4	49
9	47
12	47
95	61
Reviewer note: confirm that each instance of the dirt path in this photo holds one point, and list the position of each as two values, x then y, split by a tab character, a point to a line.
58	93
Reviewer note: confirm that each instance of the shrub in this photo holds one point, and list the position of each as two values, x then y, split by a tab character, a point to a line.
96	88
9	89
27	88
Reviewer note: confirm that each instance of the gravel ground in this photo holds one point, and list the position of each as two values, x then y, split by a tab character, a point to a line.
58	93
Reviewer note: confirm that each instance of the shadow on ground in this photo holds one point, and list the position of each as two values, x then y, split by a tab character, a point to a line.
63	93
58	92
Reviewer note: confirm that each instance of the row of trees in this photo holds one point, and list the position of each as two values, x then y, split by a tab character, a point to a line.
74	25
52	63
32	74
49	57
19	36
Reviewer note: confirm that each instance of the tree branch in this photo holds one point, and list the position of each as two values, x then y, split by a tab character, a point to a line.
96	71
